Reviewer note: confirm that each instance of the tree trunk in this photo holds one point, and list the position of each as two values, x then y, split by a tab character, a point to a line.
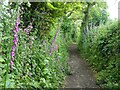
84	26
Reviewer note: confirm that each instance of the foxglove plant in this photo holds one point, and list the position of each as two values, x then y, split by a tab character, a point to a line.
54	46
15	41
28	29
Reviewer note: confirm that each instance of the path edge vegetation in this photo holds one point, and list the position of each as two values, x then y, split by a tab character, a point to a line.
34	66
101	50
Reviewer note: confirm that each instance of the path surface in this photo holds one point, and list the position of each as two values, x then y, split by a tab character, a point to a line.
82	76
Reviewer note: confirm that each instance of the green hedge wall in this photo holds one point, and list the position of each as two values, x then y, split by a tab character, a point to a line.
101	47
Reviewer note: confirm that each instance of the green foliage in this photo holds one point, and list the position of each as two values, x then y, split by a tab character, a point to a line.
69	30
102	50
34	67
6	25
43	15
98	14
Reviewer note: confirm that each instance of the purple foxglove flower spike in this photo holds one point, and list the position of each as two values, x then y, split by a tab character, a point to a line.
15	41
53	41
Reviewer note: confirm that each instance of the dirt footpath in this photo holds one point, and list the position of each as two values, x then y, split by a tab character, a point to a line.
82	76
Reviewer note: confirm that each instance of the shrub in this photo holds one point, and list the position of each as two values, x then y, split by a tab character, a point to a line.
102	49
33	66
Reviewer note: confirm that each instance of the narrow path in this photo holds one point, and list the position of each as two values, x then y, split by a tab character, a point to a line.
82	76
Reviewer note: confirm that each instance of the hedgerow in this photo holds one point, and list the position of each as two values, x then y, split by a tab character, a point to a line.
101	47
25	59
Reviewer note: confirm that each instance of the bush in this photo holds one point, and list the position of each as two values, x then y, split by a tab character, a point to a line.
102	50
34	67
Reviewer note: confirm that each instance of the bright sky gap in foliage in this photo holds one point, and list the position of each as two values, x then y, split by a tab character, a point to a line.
113	8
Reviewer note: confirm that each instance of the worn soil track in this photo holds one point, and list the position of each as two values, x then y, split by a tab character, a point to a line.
82	76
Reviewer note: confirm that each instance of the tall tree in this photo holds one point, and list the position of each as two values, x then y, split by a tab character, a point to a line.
84	25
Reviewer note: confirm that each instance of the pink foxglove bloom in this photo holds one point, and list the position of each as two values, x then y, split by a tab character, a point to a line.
15	41
54	46
28	29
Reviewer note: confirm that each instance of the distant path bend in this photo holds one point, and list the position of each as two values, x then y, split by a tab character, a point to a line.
82	76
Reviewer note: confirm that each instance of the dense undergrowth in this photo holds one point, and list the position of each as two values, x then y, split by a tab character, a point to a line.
36	62
34	38
101	48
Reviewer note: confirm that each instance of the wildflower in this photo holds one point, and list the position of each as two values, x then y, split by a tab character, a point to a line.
28	29
15	40
54	46
11	62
